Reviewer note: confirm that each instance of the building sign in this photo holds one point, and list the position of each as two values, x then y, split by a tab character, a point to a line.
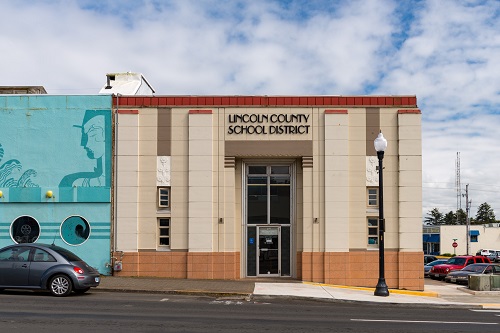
275	123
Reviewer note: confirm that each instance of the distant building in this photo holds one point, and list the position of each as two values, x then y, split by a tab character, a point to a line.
8	90
440	239
127	84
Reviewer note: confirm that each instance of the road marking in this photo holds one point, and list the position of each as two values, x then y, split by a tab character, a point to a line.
227	302
485	310
425	321
164	300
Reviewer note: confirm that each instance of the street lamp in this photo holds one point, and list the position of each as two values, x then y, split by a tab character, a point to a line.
381	288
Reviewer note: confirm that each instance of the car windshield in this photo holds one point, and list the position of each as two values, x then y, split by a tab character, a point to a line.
68	255
473	268
456	261
436	262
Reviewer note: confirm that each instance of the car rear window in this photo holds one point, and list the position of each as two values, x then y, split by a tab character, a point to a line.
473	268
68	255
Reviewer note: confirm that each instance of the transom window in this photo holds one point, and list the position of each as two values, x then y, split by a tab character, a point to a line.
268	194
164	197
372	195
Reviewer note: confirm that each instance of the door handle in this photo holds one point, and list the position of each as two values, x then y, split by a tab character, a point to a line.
24	266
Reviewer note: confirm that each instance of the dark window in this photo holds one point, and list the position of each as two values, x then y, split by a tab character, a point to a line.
372	231
68	255
43	256
15	254
25	229
164	197
164	231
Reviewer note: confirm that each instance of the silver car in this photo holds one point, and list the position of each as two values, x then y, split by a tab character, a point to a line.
45	267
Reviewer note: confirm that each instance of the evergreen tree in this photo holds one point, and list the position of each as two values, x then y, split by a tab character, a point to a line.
435	217
485	214
450	218
461	216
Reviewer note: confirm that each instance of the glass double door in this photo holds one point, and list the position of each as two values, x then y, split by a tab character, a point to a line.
268	219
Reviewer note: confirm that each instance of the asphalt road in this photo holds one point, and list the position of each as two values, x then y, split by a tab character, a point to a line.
137	312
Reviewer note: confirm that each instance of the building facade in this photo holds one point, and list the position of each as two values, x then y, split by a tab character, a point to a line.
468	240
56	173
232	187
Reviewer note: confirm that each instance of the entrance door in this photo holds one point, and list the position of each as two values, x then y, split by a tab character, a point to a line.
269	251
269	211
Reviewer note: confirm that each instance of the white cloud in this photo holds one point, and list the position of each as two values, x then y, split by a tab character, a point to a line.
446	52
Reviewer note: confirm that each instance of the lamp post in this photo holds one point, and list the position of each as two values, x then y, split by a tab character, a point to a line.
381	288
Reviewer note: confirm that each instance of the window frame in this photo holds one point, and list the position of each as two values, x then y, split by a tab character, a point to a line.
161	236
369	197
161	197
372	227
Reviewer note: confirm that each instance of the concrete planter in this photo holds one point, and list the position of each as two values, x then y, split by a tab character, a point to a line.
482	282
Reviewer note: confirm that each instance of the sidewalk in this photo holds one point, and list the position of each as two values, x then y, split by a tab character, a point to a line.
435	294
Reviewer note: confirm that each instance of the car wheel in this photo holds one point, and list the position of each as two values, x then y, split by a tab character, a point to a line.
81	291
60	285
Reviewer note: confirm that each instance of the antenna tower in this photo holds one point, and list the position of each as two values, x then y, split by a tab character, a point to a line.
457	183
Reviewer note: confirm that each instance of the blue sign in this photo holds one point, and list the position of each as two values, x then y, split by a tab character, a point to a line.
251	240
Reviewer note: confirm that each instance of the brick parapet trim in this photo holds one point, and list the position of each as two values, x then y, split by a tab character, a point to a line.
266	101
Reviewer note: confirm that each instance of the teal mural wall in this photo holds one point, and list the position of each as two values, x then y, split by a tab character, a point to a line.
55	173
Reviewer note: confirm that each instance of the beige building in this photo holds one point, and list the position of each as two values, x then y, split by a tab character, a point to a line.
484	236
234	187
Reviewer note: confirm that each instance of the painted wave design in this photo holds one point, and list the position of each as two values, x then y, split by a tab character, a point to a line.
13	166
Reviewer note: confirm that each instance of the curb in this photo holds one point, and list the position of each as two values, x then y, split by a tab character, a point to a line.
393	291
175	292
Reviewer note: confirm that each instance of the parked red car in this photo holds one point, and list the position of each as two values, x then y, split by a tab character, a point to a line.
455	263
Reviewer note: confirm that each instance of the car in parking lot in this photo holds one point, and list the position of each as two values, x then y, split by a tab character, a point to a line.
462	276
427	267
45	267
429	258
455	263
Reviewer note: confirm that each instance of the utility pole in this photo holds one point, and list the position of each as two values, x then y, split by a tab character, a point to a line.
467	208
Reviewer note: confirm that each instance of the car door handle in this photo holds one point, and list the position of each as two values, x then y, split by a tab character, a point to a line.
24	266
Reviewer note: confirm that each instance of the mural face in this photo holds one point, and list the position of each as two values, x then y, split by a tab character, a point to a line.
59	145
93	141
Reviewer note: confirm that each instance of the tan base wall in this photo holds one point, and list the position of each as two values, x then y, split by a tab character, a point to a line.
180	265
403	270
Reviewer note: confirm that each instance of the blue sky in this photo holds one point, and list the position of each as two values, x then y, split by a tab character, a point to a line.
446	52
